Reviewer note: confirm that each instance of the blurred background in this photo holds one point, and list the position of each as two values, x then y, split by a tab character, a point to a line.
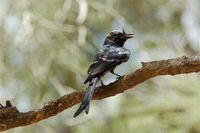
47	46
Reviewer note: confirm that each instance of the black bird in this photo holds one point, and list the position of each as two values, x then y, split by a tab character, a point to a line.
111	55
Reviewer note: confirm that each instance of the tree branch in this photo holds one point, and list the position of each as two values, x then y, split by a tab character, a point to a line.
10	117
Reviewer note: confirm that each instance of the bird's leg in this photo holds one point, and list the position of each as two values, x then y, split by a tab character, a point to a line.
118	76
1	106
102	84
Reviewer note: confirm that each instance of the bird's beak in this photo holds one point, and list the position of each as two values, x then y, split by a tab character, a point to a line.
128	36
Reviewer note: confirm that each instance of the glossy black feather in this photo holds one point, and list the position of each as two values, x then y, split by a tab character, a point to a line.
85	104
108	58
111	55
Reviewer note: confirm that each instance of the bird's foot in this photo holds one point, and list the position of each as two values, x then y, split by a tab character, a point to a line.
102	84
112	71
119	77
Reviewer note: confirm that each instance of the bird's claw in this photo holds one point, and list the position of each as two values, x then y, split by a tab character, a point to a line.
119	77
102	84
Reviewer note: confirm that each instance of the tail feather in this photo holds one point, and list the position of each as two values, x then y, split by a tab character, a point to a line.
88	96
87	109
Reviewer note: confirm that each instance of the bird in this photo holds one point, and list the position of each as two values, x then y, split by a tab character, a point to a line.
110	56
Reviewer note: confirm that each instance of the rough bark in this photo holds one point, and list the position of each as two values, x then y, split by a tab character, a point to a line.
10	117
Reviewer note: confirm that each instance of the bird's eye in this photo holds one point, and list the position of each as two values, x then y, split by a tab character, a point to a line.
112	33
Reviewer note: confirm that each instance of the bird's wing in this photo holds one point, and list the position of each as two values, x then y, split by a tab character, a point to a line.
106	60
115	54
99	68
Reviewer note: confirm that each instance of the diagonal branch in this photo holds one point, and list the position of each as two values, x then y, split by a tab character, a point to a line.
10	117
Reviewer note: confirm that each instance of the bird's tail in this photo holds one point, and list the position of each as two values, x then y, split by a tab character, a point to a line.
88	96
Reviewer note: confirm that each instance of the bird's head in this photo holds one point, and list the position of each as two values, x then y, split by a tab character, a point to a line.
117	38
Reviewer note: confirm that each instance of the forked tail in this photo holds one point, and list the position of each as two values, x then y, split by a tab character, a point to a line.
88	96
